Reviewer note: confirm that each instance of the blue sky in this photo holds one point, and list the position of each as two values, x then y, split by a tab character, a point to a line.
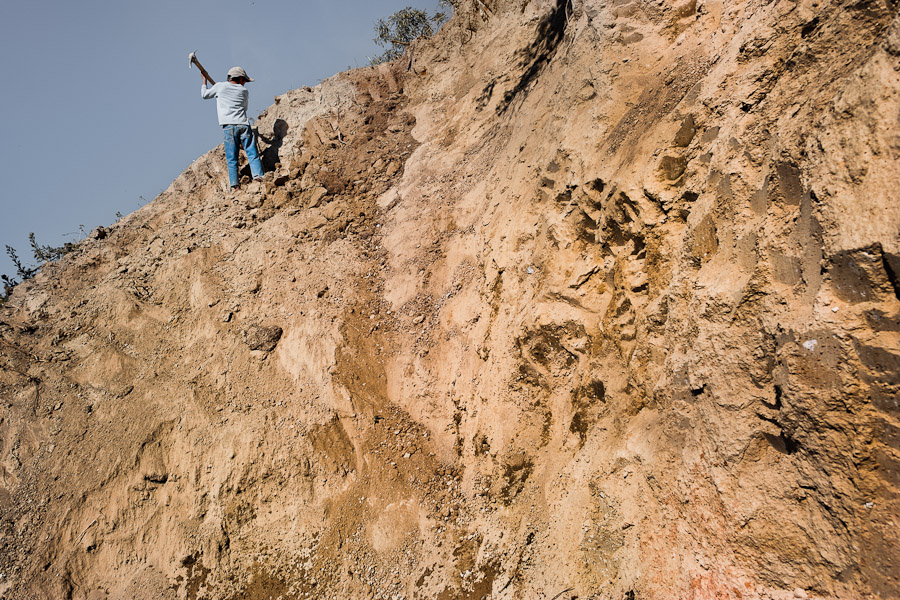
102	110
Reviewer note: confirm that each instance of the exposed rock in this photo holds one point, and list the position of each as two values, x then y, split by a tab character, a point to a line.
313	197
280	198
686	132
254	200
589	296
672	167
262	338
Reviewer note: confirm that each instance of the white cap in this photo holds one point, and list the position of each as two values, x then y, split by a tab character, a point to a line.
235	72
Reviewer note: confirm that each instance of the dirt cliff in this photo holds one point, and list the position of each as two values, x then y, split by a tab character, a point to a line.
580	299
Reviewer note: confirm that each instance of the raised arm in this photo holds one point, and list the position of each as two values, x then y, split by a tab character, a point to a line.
207	93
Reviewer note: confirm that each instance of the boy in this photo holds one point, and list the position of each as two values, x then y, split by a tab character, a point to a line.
231	104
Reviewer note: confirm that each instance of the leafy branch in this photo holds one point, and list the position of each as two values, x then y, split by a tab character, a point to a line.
398	31
41	253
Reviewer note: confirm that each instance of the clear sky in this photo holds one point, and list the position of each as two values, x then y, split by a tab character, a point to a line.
101	109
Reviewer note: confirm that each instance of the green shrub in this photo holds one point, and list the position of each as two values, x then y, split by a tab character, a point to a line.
399	30
42	254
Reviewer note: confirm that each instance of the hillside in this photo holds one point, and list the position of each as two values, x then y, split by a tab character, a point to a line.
592	299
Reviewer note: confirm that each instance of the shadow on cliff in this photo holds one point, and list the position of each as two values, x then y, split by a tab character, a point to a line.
270	156
538	55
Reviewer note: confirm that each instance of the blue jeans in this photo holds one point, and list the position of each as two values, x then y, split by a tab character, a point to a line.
237	136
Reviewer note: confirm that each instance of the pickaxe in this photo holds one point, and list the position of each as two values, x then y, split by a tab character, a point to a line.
193	61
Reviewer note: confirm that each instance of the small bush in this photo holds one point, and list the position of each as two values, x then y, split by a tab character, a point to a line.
22	272
399	30
47	253
42	254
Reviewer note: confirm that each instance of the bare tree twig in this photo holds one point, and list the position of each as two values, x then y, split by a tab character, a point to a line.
484	7
561	593
91	524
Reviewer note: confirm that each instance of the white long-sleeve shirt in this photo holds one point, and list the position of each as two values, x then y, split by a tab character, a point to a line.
231	102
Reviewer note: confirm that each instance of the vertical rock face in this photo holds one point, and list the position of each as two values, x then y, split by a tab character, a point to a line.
579	299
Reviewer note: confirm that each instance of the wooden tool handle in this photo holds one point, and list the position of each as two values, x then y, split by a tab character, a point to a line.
202	70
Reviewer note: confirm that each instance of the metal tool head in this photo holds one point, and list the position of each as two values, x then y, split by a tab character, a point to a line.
191	58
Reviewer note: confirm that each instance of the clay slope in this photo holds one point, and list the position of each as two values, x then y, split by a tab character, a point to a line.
580	299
